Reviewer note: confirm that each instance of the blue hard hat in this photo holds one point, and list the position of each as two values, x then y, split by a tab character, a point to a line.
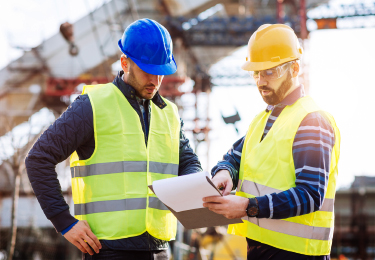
149	45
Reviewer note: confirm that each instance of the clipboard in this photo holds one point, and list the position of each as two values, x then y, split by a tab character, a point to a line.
199	217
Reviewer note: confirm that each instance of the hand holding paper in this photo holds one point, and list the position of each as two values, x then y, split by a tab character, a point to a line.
185	192
184	195
230	206
223	180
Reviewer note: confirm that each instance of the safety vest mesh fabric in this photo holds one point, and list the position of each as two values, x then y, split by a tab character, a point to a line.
267	167
110	189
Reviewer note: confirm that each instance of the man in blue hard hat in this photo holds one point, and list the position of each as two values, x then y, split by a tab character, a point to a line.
122	136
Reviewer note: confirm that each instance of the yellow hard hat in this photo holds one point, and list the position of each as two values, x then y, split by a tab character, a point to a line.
270	46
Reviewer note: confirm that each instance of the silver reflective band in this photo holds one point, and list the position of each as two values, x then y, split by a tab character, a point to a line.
165	168
106	168
239	185
155	203
252	188
128	166
252	220
294	229
118	205
328	205
110	205
257	189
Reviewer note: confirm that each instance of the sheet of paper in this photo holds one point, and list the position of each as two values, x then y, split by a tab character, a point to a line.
185	192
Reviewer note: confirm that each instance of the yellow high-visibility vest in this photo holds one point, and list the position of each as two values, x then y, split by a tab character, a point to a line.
110	189
267	167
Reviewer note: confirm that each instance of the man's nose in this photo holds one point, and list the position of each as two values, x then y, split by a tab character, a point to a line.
262	81
156	79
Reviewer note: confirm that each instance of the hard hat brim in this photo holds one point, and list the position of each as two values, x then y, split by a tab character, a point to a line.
164	69
256	66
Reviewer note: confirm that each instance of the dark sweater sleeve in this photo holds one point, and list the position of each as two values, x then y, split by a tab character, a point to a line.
189	162
231	161
71	130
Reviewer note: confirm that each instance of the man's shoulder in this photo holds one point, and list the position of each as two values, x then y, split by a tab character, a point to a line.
81	102
78	111
316	125
318	119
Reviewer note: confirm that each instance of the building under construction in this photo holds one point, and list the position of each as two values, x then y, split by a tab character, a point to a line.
46	77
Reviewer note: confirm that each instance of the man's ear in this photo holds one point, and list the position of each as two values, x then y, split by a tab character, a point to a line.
295	69
124	63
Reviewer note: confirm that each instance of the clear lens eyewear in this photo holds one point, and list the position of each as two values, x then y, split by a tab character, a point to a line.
272	73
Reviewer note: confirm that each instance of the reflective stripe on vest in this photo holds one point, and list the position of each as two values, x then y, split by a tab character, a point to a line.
256	190
118	205
293	229
117	167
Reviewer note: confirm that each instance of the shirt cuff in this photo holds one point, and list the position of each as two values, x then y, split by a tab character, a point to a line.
68	228
63	220
264	207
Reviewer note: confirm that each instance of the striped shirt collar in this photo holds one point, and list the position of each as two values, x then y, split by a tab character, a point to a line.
290	99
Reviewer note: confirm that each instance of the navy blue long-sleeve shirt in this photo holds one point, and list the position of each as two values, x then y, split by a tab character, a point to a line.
73	131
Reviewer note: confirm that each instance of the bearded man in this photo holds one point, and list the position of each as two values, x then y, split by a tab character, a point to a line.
284	170
122	136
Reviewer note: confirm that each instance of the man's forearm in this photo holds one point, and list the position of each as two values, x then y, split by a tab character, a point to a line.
55	145
48	192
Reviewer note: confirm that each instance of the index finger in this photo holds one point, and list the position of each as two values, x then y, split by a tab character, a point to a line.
94	238
216	199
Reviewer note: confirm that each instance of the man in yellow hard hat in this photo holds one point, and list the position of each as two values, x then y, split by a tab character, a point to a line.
284	170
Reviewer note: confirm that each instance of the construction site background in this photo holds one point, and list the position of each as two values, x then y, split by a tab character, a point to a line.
48	60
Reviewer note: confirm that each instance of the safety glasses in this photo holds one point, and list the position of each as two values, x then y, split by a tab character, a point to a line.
272	73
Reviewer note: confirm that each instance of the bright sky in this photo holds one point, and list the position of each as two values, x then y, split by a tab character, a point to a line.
341	64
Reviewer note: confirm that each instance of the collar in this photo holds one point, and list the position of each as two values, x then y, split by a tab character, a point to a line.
129	91
290	99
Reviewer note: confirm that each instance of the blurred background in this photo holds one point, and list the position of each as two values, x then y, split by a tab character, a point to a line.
49	49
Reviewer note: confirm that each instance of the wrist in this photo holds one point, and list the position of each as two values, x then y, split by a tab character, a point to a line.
223	172
62	220
252	209
68	228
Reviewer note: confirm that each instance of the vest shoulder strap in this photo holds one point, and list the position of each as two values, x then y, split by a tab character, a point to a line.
89	88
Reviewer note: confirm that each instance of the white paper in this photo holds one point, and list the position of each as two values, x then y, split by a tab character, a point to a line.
184	192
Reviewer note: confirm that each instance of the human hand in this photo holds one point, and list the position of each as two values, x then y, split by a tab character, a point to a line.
81	233
230	206
221	180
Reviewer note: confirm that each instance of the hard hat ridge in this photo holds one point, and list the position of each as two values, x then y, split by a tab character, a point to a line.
150	46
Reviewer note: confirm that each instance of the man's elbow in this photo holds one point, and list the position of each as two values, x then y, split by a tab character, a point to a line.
318	203
31	162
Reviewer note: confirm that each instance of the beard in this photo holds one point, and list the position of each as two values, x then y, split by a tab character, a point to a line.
277	96
132	81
